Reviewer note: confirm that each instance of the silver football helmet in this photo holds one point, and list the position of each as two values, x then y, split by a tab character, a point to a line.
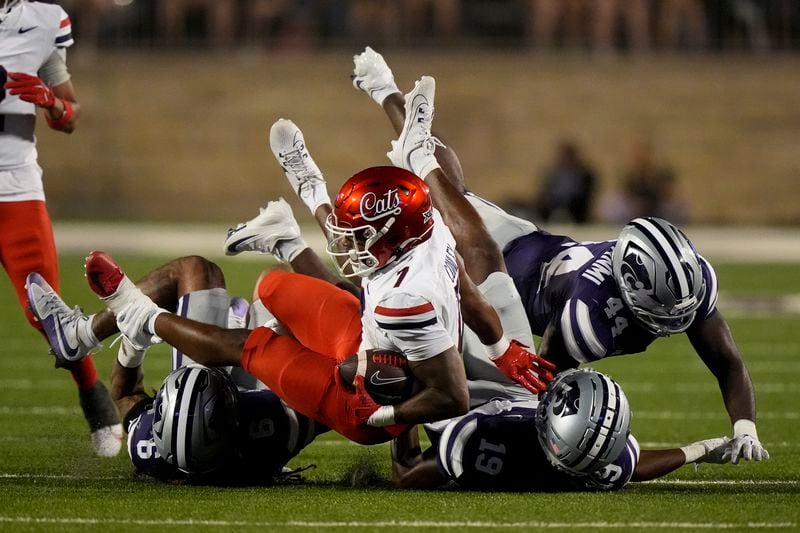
6	6
195	418
659	275
583	421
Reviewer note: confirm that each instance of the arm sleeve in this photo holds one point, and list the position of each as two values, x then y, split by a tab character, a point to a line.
54	70
412	324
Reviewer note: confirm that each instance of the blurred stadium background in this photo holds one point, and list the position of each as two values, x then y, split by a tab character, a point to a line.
178	97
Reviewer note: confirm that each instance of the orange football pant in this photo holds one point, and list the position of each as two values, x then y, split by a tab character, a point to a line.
326	324
27	245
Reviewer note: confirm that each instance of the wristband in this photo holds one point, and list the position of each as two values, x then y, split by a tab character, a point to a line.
289	249
379	95
497	349
151	325
128	356
65	118
744	427
384	416
693	452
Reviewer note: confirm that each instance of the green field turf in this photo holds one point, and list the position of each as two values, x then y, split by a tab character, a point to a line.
49	478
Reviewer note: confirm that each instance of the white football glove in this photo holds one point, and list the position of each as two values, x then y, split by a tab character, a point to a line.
372	75
136	322
708	451
745	444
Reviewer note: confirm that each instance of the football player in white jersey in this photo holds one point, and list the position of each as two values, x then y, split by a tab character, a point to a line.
676	299
34	37
383	228
384	276
410	295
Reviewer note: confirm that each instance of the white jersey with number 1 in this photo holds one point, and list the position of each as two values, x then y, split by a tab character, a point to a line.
412	306
29	35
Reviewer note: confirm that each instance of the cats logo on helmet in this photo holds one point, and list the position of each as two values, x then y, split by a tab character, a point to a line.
379	214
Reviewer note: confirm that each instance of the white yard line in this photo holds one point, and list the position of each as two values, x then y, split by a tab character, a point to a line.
732	243
393	523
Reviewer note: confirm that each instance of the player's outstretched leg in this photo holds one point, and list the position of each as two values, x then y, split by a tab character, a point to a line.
68	330
289	147
414	148
372	75
128	303
71	339
136	316
274	231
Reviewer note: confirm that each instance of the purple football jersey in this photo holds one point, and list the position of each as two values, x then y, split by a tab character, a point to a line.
571	285
270	433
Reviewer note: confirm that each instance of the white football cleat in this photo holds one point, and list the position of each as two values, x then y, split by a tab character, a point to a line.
273	225
135	311
67	330
414	148
305	177
372	75
107	440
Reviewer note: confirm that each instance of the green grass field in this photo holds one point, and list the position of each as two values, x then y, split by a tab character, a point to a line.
49	478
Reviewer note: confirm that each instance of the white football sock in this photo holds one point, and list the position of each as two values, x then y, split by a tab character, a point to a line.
499	290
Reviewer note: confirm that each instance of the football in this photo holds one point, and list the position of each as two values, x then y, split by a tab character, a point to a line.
387	377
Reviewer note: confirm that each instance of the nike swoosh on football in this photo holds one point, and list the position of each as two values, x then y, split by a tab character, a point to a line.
375	379
26	30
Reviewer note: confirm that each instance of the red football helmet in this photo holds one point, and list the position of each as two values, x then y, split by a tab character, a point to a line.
378	215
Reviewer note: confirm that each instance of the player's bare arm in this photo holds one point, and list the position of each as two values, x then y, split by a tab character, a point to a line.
208	345
654	464
444	391
411	468
127	387
713	341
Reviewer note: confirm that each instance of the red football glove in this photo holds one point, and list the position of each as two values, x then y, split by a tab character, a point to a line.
30	89
528	369
359	404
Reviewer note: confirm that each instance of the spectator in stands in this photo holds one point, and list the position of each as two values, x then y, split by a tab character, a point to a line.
375	22
546	17
568	187
682	23
438	18
635	17
220	17
649	189
281	23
